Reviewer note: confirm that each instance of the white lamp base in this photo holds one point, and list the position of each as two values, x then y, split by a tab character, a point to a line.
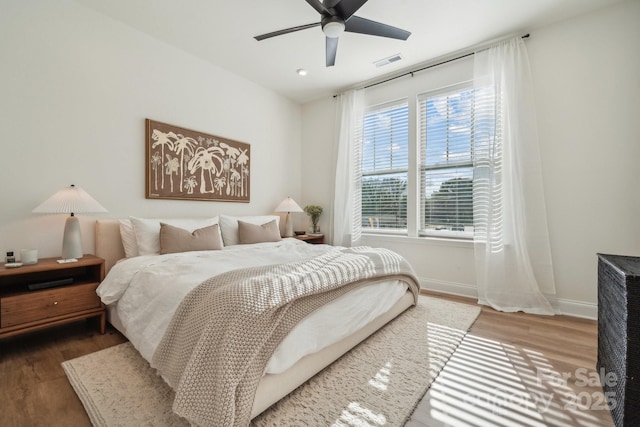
72	239
288	226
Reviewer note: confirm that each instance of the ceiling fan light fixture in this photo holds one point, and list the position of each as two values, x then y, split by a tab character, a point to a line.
333	27
334	17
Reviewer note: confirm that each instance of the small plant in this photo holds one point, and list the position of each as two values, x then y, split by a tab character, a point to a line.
314	211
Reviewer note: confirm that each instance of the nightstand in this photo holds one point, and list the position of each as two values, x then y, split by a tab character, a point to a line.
314	239
48	293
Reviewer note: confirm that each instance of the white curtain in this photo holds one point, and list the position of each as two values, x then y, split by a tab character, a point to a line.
346	208
511	240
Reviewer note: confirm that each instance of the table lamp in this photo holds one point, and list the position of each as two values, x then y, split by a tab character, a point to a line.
288	205
71	200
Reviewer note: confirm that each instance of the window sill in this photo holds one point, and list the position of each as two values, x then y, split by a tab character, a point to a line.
422	240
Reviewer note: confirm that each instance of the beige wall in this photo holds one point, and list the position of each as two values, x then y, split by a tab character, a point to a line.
585	72
75	88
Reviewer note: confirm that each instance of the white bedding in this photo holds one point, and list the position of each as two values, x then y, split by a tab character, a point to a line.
148	290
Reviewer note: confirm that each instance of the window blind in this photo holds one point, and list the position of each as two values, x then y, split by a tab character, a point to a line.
385	162
446	134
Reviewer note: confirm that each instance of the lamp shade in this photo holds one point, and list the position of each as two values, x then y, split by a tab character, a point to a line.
70	200
288	205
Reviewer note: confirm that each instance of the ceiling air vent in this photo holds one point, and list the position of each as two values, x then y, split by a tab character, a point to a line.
387	61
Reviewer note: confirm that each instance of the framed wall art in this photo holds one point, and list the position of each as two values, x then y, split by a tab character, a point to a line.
184	164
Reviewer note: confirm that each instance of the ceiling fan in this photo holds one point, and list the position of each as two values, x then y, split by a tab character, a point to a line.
337	17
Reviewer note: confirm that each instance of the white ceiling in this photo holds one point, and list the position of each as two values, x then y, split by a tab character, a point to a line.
221	32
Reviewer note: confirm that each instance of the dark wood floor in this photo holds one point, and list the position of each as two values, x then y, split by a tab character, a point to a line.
507	370
34	390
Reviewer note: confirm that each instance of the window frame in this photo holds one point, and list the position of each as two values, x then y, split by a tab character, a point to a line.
457	88
432	80
389	105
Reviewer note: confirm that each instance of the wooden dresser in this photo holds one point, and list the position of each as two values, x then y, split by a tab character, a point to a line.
23	310
619	335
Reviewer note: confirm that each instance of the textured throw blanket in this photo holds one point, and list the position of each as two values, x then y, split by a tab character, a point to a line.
222	335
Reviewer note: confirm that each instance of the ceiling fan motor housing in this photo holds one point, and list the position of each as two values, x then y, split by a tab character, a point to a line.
337	16
332	26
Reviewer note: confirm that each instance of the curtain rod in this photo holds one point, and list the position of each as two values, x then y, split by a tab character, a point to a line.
411	73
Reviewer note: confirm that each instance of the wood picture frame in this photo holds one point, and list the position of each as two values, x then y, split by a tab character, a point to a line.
184	164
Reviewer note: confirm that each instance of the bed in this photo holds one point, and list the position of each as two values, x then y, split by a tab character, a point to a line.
135	282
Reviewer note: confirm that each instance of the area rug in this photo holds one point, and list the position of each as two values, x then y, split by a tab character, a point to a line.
379	382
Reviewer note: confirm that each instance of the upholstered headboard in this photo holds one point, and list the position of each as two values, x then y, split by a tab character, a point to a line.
108	242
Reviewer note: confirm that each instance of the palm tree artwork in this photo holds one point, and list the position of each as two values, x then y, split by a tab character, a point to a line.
243	159
156	161
195	166
190	183
162	139
207	160
171	166
182	145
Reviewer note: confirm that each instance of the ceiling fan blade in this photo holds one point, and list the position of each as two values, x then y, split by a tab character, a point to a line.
365	26
346	8
330	3
286	31
318	6
332	49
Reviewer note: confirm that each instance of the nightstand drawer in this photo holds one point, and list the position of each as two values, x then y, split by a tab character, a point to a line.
38	305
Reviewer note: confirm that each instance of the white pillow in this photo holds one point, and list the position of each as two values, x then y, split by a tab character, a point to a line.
147	230
229	226
128	236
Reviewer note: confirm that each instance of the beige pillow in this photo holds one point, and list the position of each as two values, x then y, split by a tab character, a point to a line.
229	225
147	231
254	233
174	239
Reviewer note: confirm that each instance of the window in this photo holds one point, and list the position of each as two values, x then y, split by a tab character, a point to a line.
446	161
448	130
385	164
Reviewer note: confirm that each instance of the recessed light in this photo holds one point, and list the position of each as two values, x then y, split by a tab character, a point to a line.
301	72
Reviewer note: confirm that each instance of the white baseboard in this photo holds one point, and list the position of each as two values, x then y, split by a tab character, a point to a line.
582	309
446	287
567	307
